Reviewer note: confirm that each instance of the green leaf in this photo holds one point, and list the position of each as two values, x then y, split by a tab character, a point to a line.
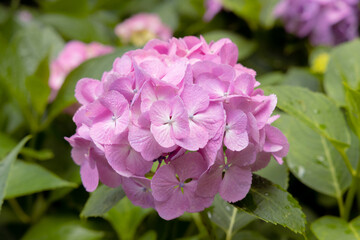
126	218
5	167
62	228
303	78
315	110
272	78
352	98
101	201
27	178
38	87
276	173
86	28
330	227
6	144
93	68
344	66
255	12
245	47
225	215
313	160
271	203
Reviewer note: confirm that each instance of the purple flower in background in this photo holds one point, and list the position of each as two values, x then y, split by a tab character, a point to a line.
326	22
212	8
141	28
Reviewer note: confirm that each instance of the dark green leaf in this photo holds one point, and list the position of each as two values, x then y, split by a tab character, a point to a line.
126	218
27	178
101	201
5	167
245	47
330	227
344	66
62	228
315	110
271	203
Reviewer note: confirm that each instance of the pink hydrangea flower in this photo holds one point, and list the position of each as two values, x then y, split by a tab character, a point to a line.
326	22
176	104
141	28
73	54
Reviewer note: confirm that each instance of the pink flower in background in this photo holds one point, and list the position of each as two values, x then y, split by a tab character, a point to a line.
326	22
141	28
212	8
176	104
73	54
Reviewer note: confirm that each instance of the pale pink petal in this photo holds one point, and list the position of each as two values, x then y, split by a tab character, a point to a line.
174	207
89	175
235	140
162	135
160	113
197	138
195	99
242	158
87	90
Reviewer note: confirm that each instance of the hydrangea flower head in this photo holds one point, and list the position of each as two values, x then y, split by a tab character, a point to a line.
141	28
73	54
158	122
326	22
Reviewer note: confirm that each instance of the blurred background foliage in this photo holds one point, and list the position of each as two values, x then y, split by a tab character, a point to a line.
42	188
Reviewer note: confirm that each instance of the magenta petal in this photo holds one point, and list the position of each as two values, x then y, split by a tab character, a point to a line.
138	191
89	175
236	184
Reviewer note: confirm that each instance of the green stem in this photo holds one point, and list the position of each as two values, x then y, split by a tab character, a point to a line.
341	206
347	162
18	211
352	191
232	222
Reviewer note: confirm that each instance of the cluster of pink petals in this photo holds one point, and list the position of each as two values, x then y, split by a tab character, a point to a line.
73	54
326	22
158	123
142	27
